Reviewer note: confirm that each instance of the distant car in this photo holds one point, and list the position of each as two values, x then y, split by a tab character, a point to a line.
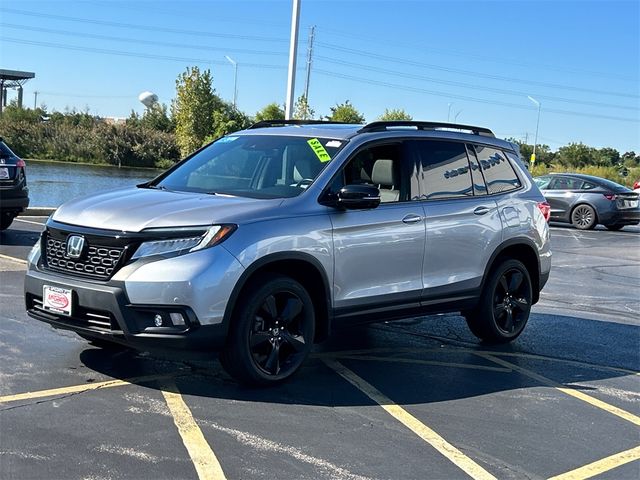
636	186
14	193
585	201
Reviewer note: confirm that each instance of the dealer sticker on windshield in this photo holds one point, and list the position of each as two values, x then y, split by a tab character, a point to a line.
319	150
56	299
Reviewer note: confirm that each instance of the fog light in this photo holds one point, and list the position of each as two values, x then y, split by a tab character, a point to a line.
177	318
158	320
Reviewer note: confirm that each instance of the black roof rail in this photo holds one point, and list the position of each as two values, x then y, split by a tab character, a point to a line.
282	123
384	125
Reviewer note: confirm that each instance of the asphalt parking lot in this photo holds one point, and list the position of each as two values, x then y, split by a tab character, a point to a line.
414	399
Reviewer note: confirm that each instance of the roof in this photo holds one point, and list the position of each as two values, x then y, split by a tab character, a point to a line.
345	131
14	78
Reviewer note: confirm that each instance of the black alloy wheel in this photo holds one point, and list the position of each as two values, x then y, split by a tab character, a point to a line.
583	217
272	334
505	304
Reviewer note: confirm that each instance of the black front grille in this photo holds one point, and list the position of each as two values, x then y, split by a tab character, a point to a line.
96	261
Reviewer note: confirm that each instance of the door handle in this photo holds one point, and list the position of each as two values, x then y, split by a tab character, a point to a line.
412	218
481	210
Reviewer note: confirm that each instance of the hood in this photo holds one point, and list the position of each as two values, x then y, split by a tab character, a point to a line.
135	209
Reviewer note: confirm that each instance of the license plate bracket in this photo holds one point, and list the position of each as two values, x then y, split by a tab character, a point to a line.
57	299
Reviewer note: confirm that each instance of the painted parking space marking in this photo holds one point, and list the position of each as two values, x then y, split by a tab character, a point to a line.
601	466
41	224
82	388
13	259
373	358
450	452
204	460
569	391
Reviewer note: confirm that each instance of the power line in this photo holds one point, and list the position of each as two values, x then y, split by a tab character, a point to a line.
468	85
464	97
135	55
428	49
153	28
139	41
468	72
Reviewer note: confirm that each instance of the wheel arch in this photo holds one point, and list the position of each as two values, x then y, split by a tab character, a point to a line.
303	268
523	250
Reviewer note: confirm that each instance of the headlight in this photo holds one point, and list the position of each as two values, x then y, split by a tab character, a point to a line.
189	243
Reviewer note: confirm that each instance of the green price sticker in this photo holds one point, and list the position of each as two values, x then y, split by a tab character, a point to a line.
319	150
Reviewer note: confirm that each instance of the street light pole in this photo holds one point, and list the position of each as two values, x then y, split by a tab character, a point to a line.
535	142
293	49
235	78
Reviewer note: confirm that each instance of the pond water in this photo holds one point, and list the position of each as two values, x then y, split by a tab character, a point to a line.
51	184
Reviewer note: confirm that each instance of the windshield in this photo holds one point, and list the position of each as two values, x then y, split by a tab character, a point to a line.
257	166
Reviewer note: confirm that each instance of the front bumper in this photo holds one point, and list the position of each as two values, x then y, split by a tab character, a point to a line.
104	312
196	286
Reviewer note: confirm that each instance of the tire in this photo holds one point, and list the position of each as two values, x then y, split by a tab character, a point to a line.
615	227
505	304
5	220
584	217
271	333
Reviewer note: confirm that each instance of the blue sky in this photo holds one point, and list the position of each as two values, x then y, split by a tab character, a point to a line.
436	59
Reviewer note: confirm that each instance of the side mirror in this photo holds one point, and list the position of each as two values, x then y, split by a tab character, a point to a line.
358	197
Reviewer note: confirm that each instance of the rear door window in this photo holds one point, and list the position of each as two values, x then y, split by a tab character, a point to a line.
443	169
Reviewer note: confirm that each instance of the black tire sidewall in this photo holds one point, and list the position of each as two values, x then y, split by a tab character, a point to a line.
238	359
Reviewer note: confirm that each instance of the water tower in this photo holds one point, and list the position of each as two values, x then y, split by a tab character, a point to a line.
148	99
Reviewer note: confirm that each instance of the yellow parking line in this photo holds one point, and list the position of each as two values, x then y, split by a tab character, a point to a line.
13	259
201	454
416	361
601	466
450	452
79	388
569	391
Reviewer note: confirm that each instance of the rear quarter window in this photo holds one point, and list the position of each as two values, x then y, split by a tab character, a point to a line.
498	172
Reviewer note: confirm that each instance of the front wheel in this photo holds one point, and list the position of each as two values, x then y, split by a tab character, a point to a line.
272	332
503	310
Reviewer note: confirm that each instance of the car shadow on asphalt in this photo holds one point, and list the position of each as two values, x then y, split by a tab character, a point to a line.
18	238
426	360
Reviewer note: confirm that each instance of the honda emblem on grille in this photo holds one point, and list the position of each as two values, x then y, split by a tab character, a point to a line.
75	246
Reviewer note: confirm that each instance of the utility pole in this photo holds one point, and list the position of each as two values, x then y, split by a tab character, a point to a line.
309	61
35	99
293	49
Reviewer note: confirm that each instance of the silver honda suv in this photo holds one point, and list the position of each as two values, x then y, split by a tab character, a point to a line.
258	244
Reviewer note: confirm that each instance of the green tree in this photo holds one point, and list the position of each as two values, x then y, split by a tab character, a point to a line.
544	155
394	114
302	110
607	157
155	117
193	109
273	111
227	119
576	155
345	112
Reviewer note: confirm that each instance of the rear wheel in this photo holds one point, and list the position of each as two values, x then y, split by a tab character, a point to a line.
583	217
272	332
5	220
503	310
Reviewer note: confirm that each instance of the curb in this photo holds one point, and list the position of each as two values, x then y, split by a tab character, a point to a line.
38	211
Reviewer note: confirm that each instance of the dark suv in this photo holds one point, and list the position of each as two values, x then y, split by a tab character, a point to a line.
14	193
261	242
